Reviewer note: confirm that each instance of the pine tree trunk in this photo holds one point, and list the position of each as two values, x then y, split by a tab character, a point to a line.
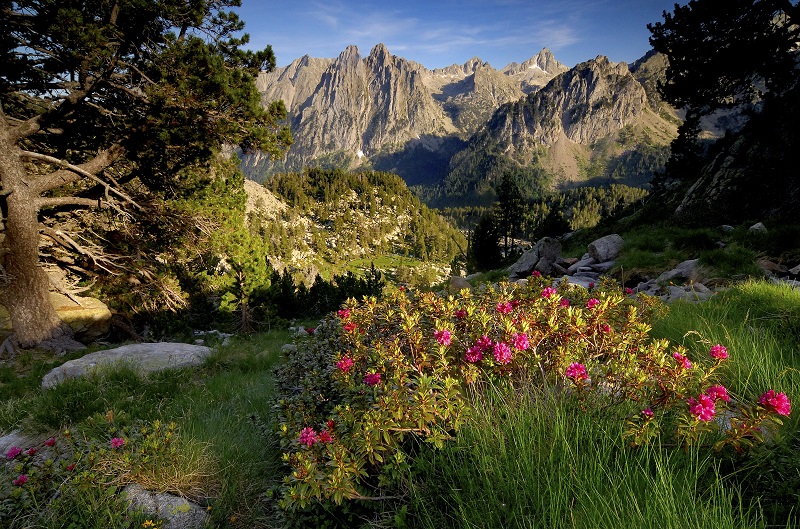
27	297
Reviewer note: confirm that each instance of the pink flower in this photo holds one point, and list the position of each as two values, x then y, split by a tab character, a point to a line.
31	451
592	303
310	330
564	302
349	326
344	364
647	412
117	442
331	424
443	337
591	285
502	353
343	313
372	379
702	407
504	307
520	341
13	452
307	436
71	467
777	402
628	290
536	273
484	343
548	291
50	442
682	360
719	352
325	437
21	480
605	328
718	392
474	354
576	371
461	314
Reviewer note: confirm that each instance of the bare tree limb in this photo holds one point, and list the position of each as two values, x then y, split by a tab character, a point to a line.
70	201
98	163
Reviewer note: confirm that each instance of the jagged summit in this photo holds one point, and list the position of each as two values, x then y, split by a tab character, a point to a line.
393	114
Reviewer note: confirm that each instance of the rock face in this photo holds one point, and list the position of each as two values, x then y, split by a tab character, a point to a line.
89	318
352	110
143	357
605	248
596	112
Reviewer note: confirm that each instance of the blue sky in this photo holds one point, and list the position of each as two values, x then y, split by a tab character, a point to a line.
439	33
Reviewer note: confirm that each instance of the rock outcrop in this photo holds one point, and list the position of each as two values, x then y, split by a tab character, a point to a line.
142	357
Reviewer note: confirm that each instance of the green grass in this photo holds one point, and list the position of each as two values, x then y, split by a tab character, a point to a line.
532	460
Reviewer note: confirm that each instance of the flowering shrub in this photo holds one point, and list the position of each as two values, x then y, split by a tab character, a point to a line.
379	372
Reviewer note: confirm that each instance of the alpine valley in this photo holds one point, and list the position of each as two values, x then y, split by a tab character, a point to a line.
452	132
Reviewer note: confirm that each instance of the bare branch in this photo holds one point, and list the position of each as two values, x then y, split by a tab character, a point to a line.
70	201
98	163
62	238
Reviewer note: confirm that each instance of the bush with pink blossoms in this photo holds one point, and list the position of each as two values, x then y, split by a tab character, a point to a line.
405	372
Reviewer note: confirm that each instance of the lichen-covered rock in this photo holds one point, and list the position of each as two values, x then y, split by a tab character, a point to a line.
177	512
143	357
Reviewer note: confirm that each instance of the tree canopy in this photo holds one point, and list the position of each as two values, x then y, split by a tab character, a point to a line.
723	53
104	101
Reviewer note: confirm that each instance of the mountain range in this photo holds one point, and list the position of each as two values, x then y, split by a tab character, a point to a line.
452	131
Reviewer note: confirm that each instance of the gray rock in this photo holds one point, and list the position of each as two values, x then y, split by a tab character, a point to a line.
585	261
795	271
524	265
576	280
458	283
603	267
726	228
143	357
606	248
685	270
541	257
177	512
758	227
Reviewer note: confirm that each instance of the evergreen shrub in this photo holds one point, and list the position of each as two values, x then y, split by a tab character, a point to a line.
377	377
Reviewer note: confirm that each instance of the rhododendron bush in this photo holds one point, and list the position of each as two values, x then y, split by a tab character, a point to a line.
379	375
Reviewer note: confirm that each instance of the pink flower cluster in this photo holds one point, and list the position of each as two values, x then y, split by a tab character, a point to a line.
592	303
474	353
309	437
576	371
461	314
502	353
13	452
443	337
117	442
648	413
372	379
504	307
344	364
718	352
520	342
549	291
349	326
704	406
682	360
564	302
777	402
21	480
343	313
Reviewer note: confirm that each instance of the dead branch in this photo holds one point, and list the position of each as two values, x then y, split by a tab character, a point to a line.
44	182
70	201
63	239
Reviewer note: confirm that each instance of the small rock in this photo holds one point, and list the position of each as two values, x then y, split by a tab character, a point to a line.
758	227
685	270
585	261
603	267
795	271
726	228
177	512
771	267
606	248
458	283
